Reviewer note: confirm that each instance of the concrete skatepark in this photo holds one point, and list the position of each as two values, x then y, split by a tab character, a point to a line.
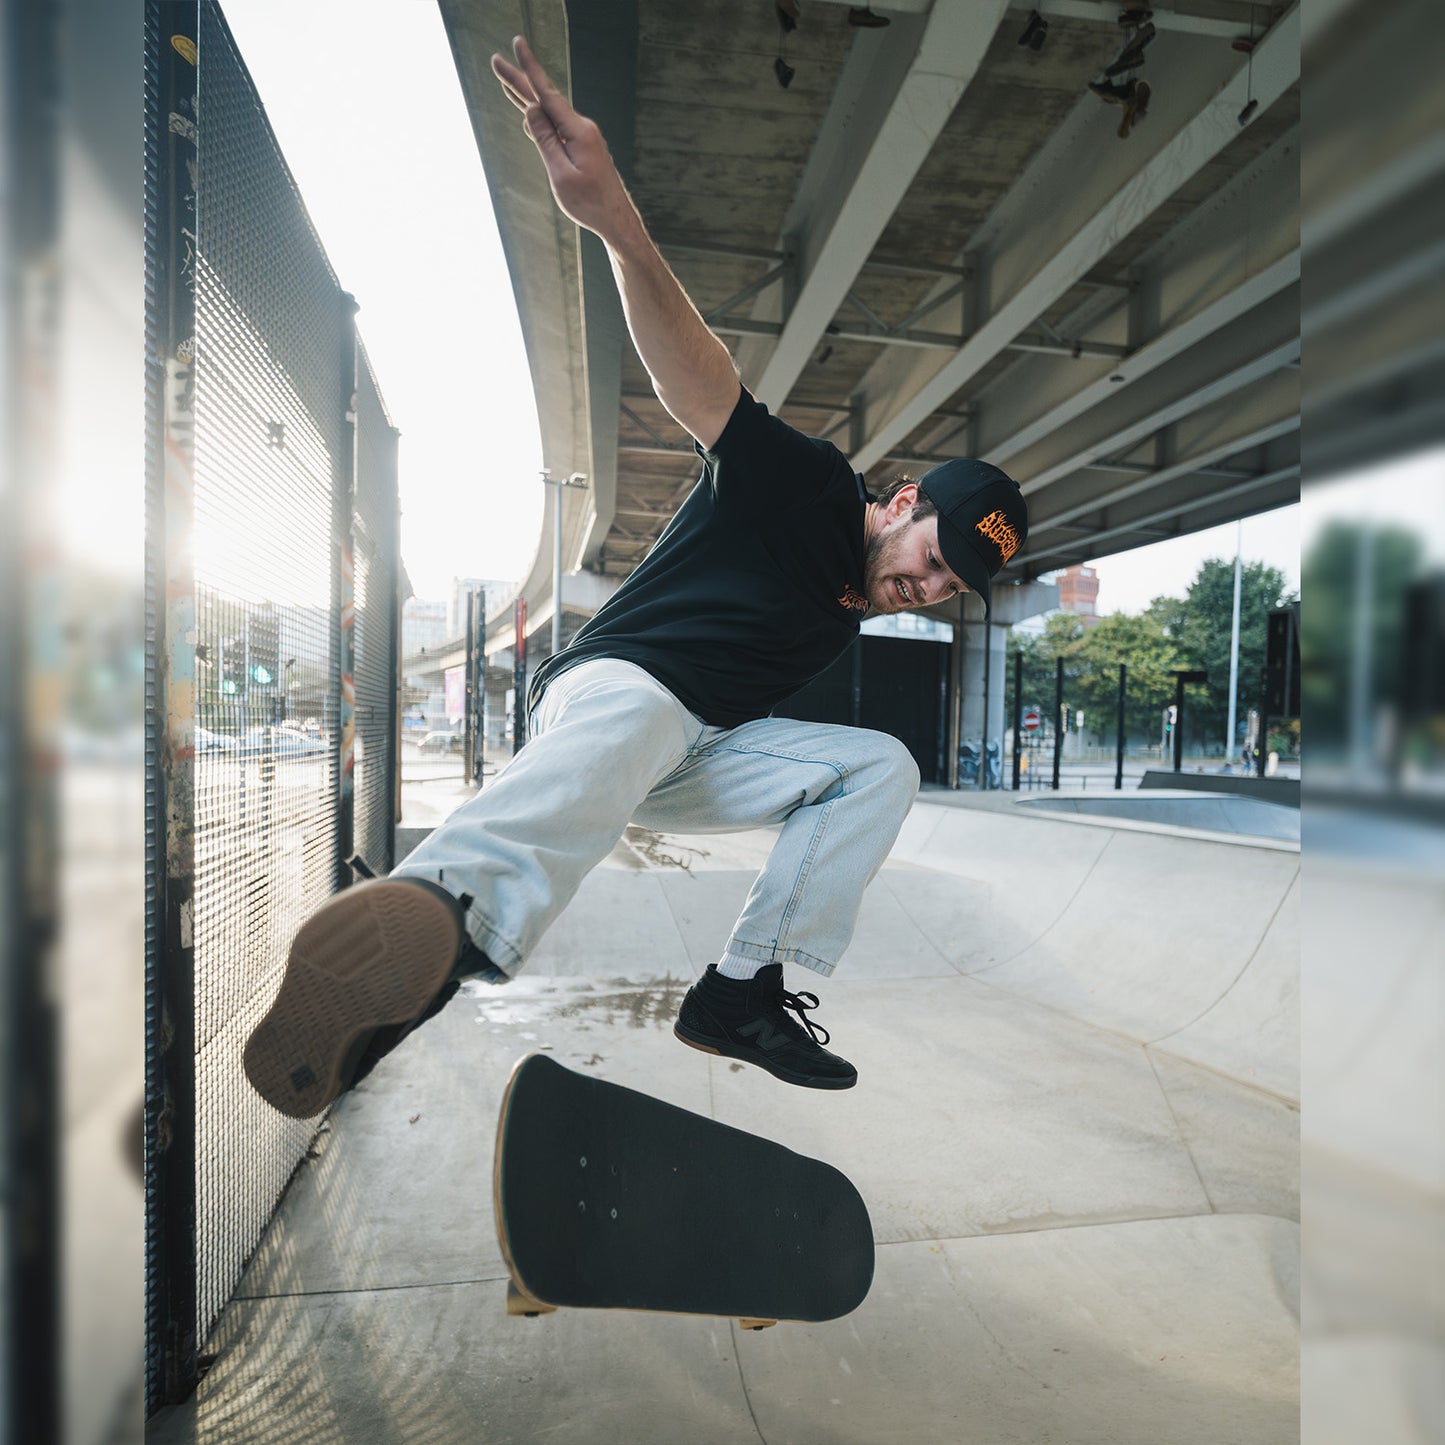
1076	1130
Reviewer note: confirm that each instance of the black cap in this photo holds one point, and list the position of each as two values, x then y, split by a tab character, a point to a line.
982	519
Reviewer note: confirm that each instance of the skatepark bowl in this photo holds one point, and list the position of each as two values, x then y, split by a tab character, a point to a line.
1076	1130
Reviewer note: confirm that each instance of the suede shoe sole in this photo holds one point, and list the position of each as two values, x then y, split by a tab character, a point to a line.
776	1067
373	956
749	1019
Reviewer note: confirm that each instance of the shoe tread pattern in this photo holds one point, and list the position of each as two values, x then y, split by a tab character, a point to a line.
374	955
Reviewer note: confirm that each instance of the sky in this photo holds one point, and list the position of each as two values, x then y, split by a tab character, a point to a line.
365	102
364	98
1130	581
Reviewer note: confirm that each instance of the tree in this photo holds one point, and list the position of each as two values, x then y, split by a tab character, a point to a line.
1040	652
1200	627
1172	634
1150	655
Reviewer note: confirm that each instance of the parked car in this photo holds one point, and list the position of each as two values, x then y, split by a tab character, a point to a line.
284	742
441	743
213	742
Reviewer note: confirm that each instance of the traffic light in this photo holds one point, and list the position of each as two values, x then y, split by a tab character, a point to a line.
265	648
233	666
1281	668
1171	716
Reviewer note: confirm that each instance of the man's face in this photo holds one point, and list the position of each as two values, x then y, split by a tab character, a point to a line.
904	569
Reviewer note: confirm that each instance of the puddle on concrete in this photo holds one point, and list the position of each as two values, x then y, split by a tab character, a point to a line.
641	848
619	1003
636	1007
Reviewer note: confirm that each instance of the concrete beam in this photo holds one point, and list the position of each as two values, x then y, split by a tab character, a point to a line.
539	243
897	90
1017	602
1147	525
1253	347
1217	265
1223	431
1083	186
603	46
1220	27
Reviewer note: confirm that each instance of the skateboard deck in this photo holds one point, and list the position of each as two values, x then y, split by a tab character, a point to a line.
607	1198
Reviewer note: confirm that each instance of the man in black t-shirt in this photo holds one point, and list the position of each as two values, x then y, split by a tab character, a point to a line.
659	710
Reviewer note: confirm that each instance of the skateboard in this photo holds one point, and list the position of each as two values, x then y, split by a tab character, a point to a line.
607	1198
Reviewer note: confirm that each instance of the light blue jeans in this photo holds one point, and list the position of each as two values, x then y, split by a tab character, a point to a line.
610	746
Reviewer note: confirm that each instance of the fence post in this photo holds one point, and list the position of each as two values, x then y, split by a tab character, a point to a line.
1180	678
1058	717
344	581
987	697
469	730
172	118
1018	714
1178	722
1119	756
519	675
476	683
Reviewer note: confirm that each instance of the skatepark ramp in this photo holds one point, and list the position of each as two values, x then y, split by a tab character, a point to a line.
1074	1131
1197	811
1181	943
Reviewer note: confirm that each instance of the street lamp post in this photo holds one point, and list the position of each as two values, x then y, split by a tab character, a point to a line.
577	479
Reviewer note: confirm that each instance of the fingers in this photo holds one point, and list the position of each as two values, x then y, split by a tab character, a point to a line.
540	80
548	96
515	85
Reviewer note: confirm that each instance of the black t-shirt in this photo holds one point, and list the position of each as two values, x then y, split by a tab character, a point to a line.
755	585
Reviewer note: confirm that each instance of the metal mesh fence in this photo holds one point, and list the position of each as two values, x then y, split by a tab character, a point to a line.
269	499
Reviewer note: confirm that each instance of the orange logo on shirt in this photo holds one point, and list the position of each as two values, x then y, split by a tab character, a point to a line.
996	528
852	601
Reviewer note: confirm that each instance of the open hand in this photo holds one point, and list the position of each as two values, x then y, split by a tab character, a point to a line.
579	166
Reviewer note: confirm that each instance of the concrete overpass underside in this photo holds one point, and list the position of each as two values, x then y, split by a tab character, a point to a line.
931	243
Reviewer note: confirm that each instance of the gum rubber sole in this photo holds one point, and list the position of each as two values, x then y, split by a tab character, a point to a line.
374	955
726	1051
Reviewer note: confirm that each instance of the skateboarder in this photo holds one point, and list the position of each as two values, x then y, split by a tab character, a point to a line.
659	710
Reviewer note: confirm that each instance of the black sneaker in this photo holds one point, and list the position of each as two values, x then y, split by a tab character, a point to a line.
364	970
745	1019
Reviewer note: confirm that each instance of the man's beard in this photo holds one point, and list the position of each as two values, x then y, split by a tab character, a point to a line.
876	560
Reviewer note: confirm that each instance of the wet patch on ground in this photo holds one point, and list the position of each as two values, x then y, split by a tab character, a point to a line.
576	1023
640	849
616	1002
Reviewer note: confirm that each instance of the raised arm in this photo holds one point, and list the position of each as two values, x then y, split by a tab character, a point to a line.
692	371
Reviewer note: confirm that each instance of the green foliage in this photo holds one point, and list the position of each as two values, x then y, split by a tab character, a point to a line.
1061	632
1150	656
1174	633
1202	628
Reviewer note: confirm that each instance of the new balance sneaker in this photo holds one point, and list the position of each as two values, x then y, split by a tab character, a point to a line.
749	1019
364	970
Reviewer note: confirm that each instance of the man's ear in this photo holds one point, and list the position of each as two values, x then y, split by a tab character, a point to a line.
904	500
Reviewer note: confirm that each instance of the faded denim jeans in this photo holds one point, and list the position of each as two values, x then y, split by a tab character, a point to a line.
612	746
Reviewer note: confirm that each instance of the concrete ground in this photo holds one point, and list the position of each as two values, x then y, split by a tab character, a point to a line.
1076	1130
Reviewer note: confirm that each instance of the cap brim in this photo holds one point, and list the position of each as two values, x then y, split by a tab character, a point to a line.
964	562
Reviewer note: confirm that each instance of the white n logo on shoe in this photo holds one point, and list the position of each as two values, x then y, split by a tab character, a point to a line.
768	1036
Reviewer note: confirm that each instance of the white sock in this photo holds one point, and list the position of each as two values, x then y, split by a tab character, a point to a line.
736	965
